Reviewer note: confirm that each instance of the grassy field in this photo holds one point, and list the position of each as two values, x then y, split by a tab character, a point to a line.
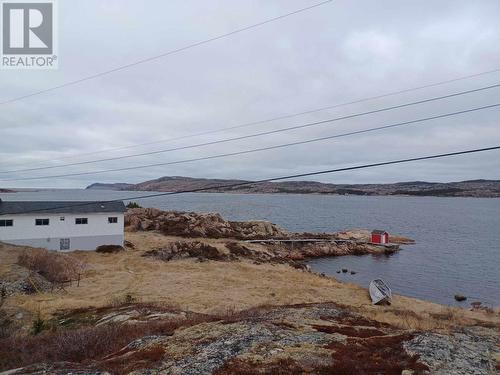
214	287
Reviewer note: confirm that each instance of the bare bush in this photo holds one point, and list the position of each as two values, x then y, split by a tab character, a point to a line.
55	267
123	300
5	325
3	295
88	344
282	366
109	249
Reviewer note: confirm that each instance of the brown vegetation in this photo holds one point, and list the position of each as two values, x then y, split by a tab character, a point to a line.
76	345
215	286
350	331
5	322
107	249
142	359
280	367
375	355
89	342
260	340
55	267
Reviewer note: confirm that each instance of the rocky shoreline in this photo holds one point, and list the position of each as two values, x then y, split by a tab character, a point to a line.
256	240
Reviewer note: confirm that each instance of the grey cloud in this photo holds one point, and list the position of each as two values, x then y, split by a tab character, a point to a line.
339	52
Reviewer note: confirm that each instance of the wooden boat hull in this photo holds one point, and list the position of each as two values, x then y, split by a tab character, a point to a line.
379	292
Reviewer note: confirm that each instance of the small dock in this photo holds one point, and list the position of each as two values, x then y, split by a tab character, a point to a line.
292	241
301	241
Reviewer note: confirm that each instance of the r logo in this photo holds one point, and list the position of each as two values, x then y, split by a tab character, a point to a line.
27	28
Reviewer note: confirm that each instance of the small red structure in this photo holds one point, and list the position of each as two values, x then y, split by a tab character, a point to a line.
380	237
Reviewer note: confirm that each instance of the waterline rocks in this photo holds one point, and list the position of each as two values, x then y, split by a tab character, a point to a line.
269	241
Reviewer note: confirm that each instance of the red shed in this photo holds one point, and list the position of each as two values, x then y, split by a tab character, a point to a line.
380	236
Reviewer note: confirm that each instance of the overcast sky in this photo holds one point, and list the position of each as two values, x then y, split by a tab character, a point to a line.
339	52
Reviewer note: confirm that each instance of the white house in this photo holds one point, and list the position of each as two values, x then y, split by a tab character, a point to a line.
62	226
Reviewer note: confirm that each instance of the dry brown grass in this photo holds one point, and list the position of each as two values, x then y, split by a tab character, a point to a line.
349	331
374	355
142	359
54	267
416	317
103	345
280	367
215	287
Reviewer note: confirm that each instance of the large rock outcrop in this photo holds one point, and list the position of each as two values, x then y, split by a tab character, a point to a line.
205	225
321	338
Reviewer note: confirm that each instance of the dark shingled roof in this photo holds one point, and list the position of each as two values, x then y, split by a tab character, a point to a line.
47	207
378	231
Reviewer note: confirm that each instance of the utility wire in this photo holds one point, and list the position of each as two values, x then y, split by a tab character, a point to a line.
260	122
165	54
400	124
247	183
257	134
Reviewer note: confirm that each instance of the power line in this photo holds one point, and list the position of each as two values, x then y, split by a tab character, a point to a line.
300	175
260	122
258	134
259	149
162	55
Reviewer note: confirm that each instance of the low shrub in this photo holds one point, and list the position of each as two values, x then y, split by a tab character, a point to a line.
374	355
123	300
350	331
55	267
77	345
284	366
142	359
5	325
109	249
133	205
39	325
101	346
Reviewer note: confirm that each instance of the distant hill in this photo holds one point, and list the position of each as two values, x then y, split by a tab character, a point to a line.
117	186
473	188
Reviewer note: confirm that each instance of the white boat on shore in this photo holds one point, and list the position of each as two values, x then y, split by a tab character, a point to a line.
380	292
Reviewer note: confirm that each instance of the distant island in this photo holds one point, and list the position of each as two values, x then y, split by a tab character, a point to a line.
472	188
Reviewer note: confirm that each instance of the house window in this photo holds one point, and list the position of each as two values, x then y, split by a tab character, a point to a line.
41	221
112	220
6	223
81	220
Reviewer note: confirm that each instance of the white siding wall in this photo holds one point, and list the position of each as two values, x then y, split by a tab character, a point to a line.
98	227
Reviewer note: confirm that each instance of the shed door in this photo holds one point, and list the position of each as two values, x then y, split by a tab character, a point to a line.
64	244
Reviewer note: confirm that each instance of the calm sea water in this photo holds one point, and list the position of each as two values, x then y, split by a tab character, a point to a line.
458	239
